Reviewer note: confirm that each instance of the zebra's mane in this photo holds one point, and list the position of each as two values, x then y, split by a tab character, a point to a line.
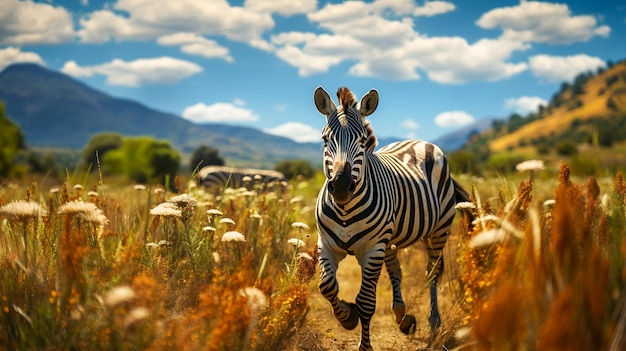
348	99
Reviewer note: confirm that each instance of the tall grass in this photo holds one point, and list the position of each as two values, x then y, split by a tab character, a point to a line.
547	275
144	269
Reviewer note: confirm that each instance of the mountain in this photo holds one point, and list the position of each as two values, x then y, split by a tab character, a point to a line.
591	109
455	140
55	110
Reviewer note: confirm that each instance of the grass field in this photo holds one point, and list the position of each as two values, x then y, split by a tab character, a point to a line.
105	267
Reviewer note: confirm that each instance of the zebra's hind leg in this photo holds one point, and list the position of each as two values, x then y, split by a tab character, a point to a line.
434	247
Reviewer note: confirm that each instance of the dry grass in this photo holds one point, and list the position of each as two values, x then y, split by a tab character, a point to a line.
99	271
552	277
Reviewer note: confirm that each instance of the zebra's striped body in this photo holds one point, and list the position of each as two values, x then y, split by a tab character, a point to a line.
374	203
218	178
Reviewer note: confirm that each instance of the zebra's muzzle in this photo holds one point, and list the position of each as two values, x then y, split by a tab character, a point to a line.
341	186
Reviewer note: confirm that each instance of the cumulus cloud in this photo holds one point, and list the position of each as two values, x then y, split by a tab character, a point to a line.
11	55
410	126
453	119
160	70
219	112
148	20
33	23
196	45
542	22
299	132
524	104
283	7
432	8
394	51
556	69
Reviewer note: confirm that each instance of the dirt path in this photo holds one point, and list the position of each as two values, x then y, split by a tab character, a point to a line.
322	332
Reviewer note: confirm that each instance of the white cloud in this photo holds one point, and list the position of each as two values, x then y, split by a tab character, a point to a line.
432	8
453	119
410	124
32	23
219	112
299	132
148	20
394	51
556	69
196	45
11	55
542	22
524	104
283	7
160	70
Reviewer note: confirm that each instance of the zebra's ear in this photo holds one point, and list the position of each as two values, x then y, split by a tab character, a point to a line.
368	103
323	102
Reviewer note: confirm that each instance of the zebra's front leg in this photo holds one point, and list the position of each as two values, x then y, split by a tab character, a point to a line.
371	265
346	313
406	322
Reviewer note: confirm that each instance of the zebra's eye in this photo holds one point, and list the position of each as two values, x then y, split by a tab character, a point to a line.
325	138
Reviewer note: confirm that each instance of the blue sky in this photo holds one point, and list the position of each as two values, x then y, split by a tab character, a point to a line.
437	65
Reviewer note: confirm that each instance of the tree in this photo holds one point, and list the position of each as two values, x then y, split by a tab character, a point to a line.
11	142
100	144
204	156
294	168
143	159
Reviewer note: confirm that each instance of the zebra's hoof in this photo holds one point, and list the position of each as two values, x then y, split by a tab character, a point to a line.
353	318
407	324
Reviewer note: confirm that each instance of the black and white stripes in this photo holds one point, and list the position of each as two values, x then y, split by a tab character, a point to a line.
374	203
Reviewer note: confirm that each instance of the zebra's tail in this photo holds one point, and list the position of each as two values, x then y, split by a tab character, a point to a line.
462	195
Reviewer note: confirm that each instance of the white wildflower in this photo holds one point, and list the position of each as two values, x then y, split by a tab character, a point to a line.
135	315
166	209
54	190
258	177
92	193
256	215
296	199
549	203
304	255
465	205
246	179
300	225
227	220
208	228
23	209
530	165
78	187
119	295
486	218
183	200
214	212
487	237
256	298
139	187
233	236
88	211
296	242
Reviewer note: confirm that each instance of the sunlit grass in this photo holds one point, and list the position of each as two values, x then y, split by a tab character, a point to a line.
145	269
110	267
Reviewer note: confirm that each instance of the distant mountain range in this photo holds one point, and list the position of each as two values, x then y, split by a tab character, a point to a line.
55	110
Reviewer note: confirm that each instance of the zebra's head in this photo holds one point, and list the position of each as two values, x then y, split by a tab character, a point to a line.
347	136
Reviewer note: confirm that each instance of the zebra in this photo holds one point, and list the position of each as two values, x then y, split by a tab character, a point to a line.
218	178
374	203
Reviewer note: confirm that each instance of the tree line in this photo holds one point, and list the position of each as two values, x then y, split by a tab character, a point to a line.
140	159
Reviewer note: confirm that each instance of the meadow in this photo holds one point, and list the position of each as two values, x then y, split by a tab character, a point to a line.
88	265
